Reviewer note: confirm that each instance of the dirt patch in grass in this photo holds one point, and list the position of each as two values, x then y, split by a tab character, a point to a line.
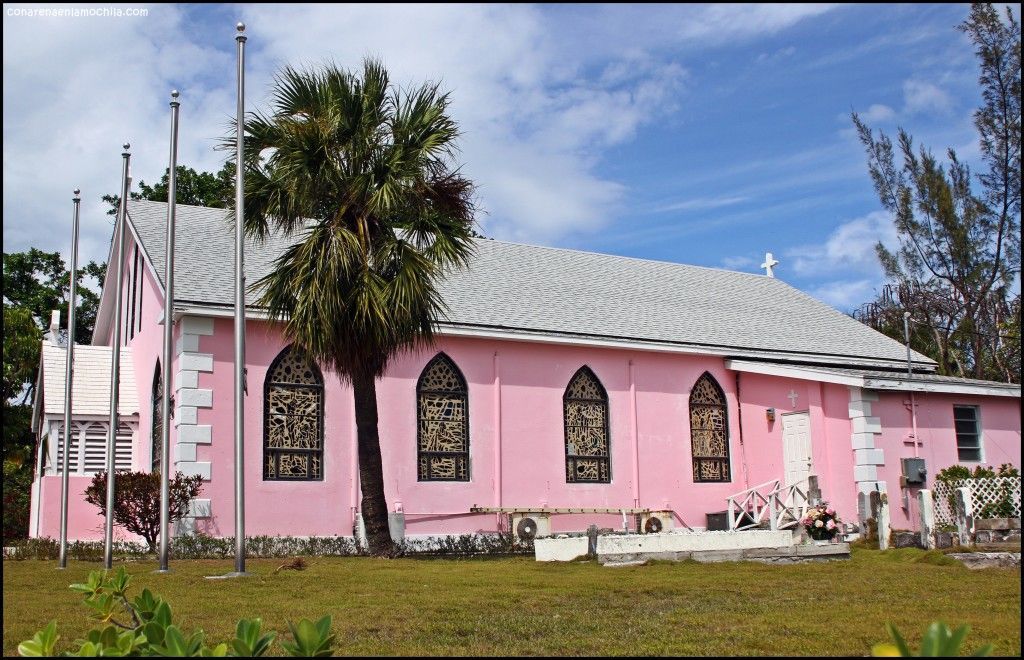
516	606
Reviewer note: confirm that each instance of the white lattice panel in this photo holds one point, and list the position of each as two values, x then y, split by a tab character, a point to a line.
983	491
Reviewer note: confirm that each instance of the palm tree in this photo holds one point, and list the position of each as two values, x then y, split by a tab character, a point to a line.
362	175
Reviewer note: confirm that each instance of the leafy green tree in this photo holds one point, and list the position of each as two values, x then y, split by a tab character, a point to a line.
959	235
194	188
39	282
34	283
362	174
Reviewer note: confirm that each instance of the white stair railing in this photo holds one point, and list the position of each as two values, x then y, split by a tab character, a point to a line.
791	504
782	507
751	507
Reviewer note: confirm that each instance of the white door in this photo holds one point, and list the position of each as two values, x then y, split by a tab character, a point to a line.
796	446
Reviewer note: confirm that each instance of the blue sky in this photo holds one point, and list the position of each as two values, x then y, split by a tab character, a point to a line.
697	134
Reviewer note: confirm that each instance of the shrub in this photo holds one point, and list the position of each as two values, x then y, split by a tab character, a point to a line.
17	490
148	629
1001	508
203	546
137	500
938	641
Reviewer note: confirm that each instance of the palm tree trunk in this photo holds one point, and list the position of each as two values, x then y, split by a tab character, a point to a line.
371	470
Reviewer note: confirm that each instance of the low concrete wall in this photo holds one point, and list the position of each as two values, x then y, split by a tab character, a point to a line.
782	555
560	549
976	560
665	545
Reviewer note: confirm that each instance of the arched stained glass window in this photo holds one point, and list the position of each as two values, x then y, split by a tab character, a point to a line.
158	418
442	435
585	405
293	427
709	431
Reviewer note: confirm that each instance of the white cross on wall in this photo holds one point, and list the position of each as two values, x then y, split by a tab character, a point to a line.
769	263
792	398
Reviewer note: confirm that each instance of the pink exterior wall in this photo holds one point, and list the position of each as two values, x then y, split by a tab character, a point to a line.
832	454
533	378
650	438
147	348
1001	441
84	520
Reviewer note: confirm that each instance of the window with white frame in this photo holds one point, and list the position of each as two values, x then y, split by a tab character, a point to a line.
968	433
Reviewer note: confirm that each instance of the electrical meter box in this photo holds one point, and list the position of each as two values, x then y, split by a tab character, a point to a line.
914	472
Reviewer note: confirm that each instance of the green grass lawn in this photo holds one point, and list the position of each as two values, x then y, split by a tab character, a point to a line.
517	606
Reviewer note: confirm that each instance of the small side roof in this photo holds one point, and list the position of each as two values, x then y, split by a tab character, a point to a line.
875	379
91	387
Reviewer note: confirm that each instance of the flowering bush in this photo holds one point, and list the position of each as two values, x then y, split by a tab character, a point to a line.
821	522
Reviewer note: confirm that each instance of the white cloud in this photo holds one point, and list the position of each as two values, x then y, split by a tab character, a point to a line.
780	54
846	295
701	204
726	21
541	96
738	263
924	97
849	249
876	113
74	91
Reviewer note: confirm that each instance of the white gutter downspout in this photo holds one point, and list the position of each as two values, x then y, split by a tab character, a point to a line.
636	435
497	436
910	374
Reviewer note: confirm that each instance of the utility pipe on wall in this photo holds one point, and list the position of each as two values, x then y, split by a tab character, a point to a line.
636	435
497	434
910	373
743	447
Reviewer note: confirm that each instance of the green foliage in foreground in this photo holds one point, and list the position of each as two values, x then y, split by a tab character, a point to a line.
517	606
149	630
938	642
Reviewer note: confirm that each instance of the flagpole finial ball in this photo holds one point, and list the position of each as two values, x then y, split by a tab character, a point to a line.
78	192
126	146
240	27
174	93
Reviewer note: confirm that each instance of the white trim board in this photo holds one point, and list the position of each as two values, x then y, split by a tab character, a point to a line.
894	383
540	336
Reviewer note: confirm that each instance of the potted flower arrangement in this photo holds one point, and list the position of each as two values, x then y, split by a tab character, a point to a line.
821	523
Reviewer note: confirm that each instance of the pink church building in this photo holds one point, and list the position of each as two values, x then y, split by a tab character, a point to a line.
561	380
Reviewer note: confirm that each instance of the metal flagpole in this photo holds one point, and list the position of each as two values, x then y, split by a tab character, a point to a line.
69	376
115	360
165	375
240	311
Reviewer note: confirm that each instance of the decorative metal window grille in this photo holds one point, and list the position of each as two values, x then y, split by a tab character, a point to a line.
968	433
293	425
585	404
442	435
709	431
158	418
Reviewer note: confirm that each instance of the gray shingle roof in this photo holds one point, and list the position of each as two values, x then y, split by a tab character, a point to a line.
550	290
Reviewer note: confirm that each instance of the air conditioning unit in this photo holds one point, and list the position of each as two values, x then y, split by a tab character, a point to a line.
655	522
528	526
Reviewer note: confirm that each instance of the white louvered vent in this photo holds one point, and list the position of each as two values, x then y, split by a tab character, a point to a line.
96	449
73	456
